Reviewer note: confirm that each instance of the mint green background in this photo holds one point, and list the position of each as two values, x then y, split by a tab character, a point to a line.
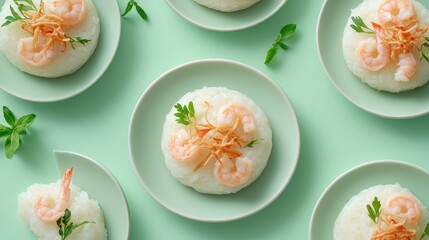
335	134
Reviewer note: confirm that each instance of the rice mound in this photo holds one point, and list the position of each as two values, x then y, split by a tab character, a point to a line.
63	63
227	5
81	207
204	180
383	79
353	222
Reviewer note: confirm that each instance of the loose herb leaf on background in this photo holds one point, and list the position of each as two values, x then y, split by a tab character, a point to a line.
17	127
374	210
184	113
286	32
140	11
360	26
66	228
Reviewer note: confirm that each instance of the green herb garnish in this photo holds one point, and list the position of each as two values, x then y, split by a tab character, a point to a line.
424	50
14	131
253	142
374	211
140	11
77	40
359	26
286	32
66	228
184	113
425	232
22	6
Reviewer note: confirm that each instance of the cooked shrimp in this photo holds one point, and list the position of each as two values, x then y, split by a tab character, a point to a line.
50	210
229	114
406	67
373	55
183	148
71	11
403	206
395	11
34	53
232	172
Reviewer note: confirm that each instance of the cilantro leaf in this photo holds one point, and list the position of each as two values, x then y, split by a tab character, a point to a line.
374	211
185	114
425	232
64	227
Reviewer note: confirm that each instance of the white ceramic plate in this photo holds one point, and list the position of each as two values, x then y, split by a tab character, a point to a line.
332	21
338	193
146	129
220	21
100	185
38	89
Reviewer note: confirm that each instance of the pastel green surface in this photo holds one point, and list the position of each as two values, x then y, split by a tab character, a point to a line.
335	134
148	119
221	21
357	179
40	89
332	21
101	186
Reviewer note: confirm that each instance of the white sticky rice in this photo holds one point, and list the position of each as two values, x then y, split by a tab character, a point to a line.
81	207
383	79
204	180
227	5
64	62
353	222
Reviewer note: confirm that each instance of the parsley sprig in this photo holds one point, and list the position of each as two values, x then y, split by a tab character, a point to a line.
14	131
424	50
22	6
65	226
286	32
185	114
140	11
359	26
374	210
252	143
77	40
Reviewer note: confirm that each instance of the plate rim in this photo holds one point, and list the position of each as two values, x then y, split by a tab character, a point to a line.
108	173
286	180
348	97
226	29
346	173
86	86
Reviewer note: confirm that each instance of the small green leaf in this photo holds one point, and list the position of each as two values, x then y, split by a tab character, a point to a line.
288	30
12	144
425	232
141	12
4	131
283	46
359	26
270	55
8	116
374	210
24	122
128	8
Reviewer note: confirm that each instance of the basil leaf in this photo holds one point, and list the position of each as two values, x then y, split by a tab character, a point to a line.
8	116
141	12
12	144
270	55
288	30
283	46
128	8
4	131
24	122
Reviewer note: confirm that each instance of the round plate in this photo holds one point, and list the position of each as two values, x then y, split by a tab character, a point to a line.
338	193
146	129
39	89
332	21
220	21
100	185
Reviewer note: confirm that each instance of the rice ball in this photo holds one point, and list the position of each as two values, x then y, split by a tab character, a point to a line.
249	154
66	59
82	208
227	5
383	79
353	222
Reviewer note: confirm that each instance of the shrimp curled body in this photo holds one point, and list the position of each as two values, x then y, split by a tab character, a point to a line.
395	11
50	210
182	147
233	173
33	53
404	206
71	11
230	113
373	55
